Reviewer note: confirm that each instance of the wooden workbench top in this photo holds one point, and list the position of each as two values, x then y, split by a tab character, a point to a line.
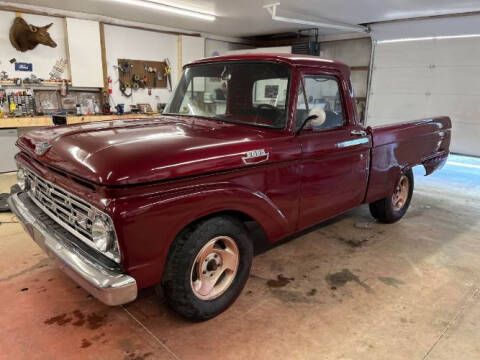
71	119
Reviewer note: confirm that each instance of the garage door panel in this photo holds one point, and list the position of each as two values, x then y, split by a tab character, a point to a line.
416	53
457	52
466	108
465	113
414	80
456	80
426	78
395	108
465	138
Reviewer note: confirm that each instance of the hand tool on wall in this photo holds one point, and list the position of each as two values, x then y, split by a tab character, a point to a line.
119	68
124	67
154	71
168	71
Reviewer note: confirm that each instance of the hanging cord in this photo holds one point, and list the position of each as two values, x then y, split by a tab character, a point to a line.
123	90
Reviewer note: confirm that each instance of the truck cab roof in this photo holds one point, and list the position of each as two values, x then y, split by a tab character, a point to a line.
294	60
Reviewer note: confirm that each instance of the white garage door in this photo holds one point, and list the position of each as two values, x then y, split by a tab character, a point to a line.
429	68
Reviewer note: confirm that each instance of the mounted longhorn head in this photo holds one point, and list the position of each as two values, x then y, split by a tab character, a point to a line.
26	37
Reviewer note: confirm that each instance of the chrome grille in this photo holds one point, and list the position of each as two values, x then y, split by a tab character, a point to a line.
73	214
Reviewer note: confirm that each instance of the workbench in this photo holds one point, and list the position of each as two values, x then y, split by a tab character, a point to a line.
38	121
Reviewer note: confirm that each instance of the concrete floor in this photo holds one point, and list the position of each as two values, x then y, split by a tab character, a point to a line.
350	289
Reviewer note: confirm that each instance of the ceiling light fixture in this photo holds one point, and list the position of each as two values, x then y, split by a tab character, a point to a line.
170	9
428	38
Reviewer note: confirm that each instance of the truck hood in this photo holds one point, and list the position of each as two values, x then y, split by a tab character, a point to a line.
122	152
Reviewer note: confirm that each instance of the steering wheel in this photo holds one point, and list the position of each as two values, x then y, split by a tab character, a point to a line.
276	118
268	106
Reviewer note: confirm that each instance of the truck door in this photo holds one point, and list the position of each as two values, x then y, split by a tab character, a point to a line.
335	156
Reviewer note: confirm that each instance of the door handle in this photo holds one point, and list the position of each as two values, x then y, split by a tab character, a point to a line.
358	132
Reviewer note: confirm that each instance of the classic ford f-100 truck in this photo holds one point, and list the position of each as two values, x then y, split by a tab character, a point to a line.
269	139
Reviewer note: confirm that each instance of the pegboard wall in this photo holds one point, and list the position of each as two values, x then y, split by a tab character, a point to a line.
144	74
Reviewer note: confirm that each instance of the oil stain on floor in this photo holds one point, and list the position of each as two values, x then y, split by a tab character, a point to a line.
281	281
92	321
339	279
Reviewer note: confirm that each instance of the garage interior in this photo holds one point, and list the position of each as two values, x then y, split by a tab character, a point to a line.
348	288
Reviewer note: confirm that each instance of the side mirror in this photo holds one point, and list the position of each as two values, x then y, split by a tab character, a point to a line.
317	118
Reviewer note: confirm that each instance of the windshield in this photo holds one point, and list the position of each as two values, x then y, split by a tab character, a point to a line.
254	93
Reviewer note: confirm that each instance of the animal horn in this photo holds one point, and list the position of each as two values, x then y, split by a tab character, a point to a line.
48	26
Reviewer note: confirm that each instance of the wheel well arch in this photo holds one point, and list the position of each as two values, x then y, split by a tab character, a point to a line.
255	229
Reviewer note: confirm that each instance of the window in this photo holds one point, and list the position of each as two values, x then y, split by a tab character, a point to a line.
320	92
253	93
270	91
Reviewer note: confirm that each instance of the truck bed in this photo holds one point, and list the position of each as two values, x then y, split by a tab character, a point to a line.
402	146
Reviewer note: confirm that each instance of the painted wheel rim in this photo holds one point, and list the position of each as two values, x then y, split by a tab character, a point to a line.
400	195
214	268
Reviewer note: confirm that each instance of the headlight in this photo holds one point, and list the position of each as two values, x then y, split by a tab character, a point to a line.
21	179
102	235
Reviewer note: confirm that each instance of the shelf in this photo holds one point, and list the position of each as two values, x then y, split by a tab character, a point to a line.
39	121
46	85
42	83
359	68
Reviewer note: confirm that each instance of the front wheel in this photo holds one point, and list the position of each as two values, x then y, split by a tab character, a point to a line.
207	267
393	208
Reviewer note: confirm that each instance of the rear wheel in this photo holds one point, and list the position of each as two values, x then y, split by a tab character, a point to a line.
393	208
207	267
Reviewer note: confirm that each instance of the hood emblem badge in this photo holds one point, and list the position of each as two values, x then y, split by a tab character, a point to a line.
42	147
255	157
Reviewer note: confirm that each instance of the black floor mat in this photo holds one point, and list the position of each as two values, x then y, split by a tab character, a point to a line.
3	202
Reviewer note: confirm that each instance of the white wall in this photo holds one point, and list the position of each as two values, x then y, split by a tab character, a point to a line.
42	57
267	50
354	53
120	42
126	43
220	48
418	79
85	53
193	48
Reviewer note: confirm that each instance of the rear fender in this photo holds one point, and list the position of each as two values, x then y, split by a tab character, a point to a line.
399	147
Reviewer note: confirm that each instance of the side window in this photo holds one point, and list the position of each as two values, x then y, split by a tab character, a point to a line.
324	92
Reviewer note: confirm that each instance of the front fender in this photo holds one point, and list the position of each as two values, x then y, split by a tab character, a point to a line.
147	225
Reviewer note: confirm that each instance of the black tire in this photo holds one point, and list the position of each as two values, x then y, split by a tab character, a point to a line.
176	283
384	211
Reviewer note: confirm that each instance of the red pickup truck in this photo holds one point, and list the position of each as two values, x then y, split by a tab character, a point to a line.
265	138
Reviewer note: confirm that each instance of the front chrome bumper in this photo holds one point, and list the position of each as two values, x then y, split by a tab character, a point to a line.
107	285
